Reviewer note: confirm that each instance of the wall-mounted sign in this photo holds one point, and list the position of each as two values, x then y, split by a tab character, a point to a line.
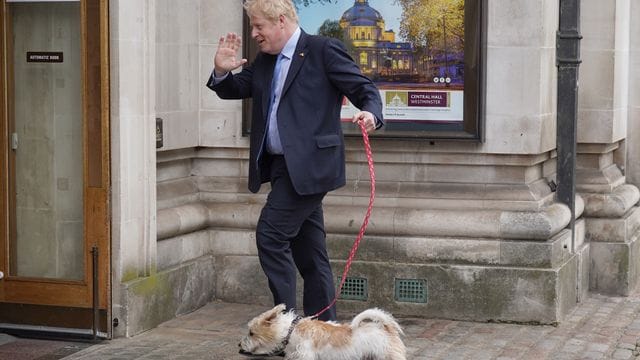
426	58
159	133
45	56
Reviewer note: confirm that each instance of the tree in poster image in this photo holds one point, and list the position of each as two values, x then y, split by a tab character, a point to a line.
331	28
435	27
306	3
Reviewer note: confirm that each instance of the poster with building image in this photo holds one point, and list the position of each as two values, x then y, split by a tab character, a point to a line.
412	50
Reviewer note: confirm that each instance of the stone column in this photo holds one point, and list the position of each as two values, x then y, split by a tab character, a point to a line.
133	101
632	168
612	217
220	120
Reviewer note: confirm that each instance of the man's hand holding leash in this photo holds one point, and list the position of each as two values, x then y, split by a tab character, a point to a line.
368	120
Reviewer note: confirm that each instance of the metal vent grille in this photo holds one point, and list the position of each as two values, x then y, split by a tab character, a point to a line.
411	290
354	288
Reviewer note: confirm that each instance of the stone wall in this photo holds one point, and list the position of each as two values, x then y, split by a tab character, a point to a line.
459	218
632	168
133	157
611	214
473	226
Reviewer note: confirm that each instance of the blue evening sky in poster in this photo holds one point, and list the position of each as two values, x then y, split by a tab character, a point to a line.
314	15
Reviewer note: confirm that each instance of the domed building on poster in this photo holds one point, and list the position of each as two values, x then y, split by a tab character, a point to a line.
374	48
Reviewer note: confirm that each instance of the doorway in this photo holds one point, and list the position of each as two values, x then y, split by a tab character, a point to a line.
55	229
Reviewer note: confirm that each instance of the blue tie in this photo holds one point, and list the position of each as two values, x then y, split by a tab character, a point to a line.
274	146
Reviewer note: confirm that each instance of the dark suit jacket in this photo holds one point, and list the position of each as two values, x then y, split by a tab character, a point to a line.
321	72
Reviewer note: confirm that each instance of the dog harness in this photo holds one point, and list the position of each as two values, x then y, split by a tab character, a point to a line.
278	351
285	342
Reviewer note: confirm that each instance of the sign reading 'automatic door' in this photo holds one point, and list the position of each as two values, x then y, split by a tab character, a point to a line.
45	57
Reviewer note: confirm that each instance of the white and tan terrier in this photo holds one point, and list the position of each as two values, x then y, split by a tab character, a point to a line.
373	335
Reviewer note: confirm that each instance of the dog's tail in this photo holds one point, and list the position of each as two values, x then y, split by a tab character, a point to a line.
377	316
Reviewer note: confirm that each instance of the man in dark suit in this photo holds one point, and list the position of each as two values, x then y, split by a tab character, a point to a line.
297	83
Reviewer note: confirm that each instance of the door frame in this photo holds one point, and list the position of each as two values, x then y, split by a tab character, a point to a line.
35	301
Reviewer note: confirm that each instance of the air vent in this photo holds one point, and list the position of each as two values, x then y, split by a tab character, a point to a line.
354	288
411	290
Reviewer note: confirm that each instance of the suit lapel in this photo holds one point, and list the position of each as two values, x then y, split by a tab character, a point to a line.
296	62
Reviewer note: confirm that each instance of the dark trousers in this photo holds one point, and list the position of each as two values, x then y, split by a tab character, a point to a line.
290	234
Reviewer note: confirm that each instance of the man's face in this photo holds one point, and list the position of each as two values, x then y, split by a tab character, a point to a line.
269	35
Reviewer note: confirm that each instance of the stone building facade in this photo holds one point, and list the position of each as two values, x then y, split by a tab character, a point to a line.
474	227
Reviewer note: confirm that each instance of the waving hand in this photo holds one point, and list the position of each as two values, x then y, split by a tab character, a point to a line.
226	58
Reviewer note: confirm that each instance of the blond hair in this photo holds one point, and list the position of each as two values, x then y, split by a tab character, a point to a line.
272	9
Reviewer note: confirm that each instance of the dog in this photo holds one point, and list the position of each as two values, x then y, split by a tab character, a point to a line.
372	335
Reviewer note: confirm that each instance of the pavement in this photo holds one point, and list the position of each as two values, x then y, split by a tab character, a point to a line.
601	327
14	348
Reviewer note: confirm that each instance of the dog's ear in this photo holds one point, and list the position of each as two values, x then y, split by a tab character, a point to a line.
277	310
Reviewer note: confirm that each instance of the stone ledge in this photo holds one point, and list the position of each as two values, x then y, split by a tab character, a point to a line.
614	230
402	152
182	220
458	251
527	295
533	196
614	267
183	249
613	204
409	250
151	300
172	193
494	224
599	180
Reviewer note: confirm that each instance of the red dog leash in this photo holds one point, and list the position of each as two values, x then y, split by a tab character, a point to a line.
365	222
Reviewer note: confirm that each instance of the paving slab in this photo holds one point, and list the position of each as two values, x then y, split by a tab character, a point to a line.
601	327
14	348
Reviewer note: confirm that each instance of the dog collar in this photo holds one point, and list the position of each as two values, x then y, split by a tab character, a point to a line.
285	342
